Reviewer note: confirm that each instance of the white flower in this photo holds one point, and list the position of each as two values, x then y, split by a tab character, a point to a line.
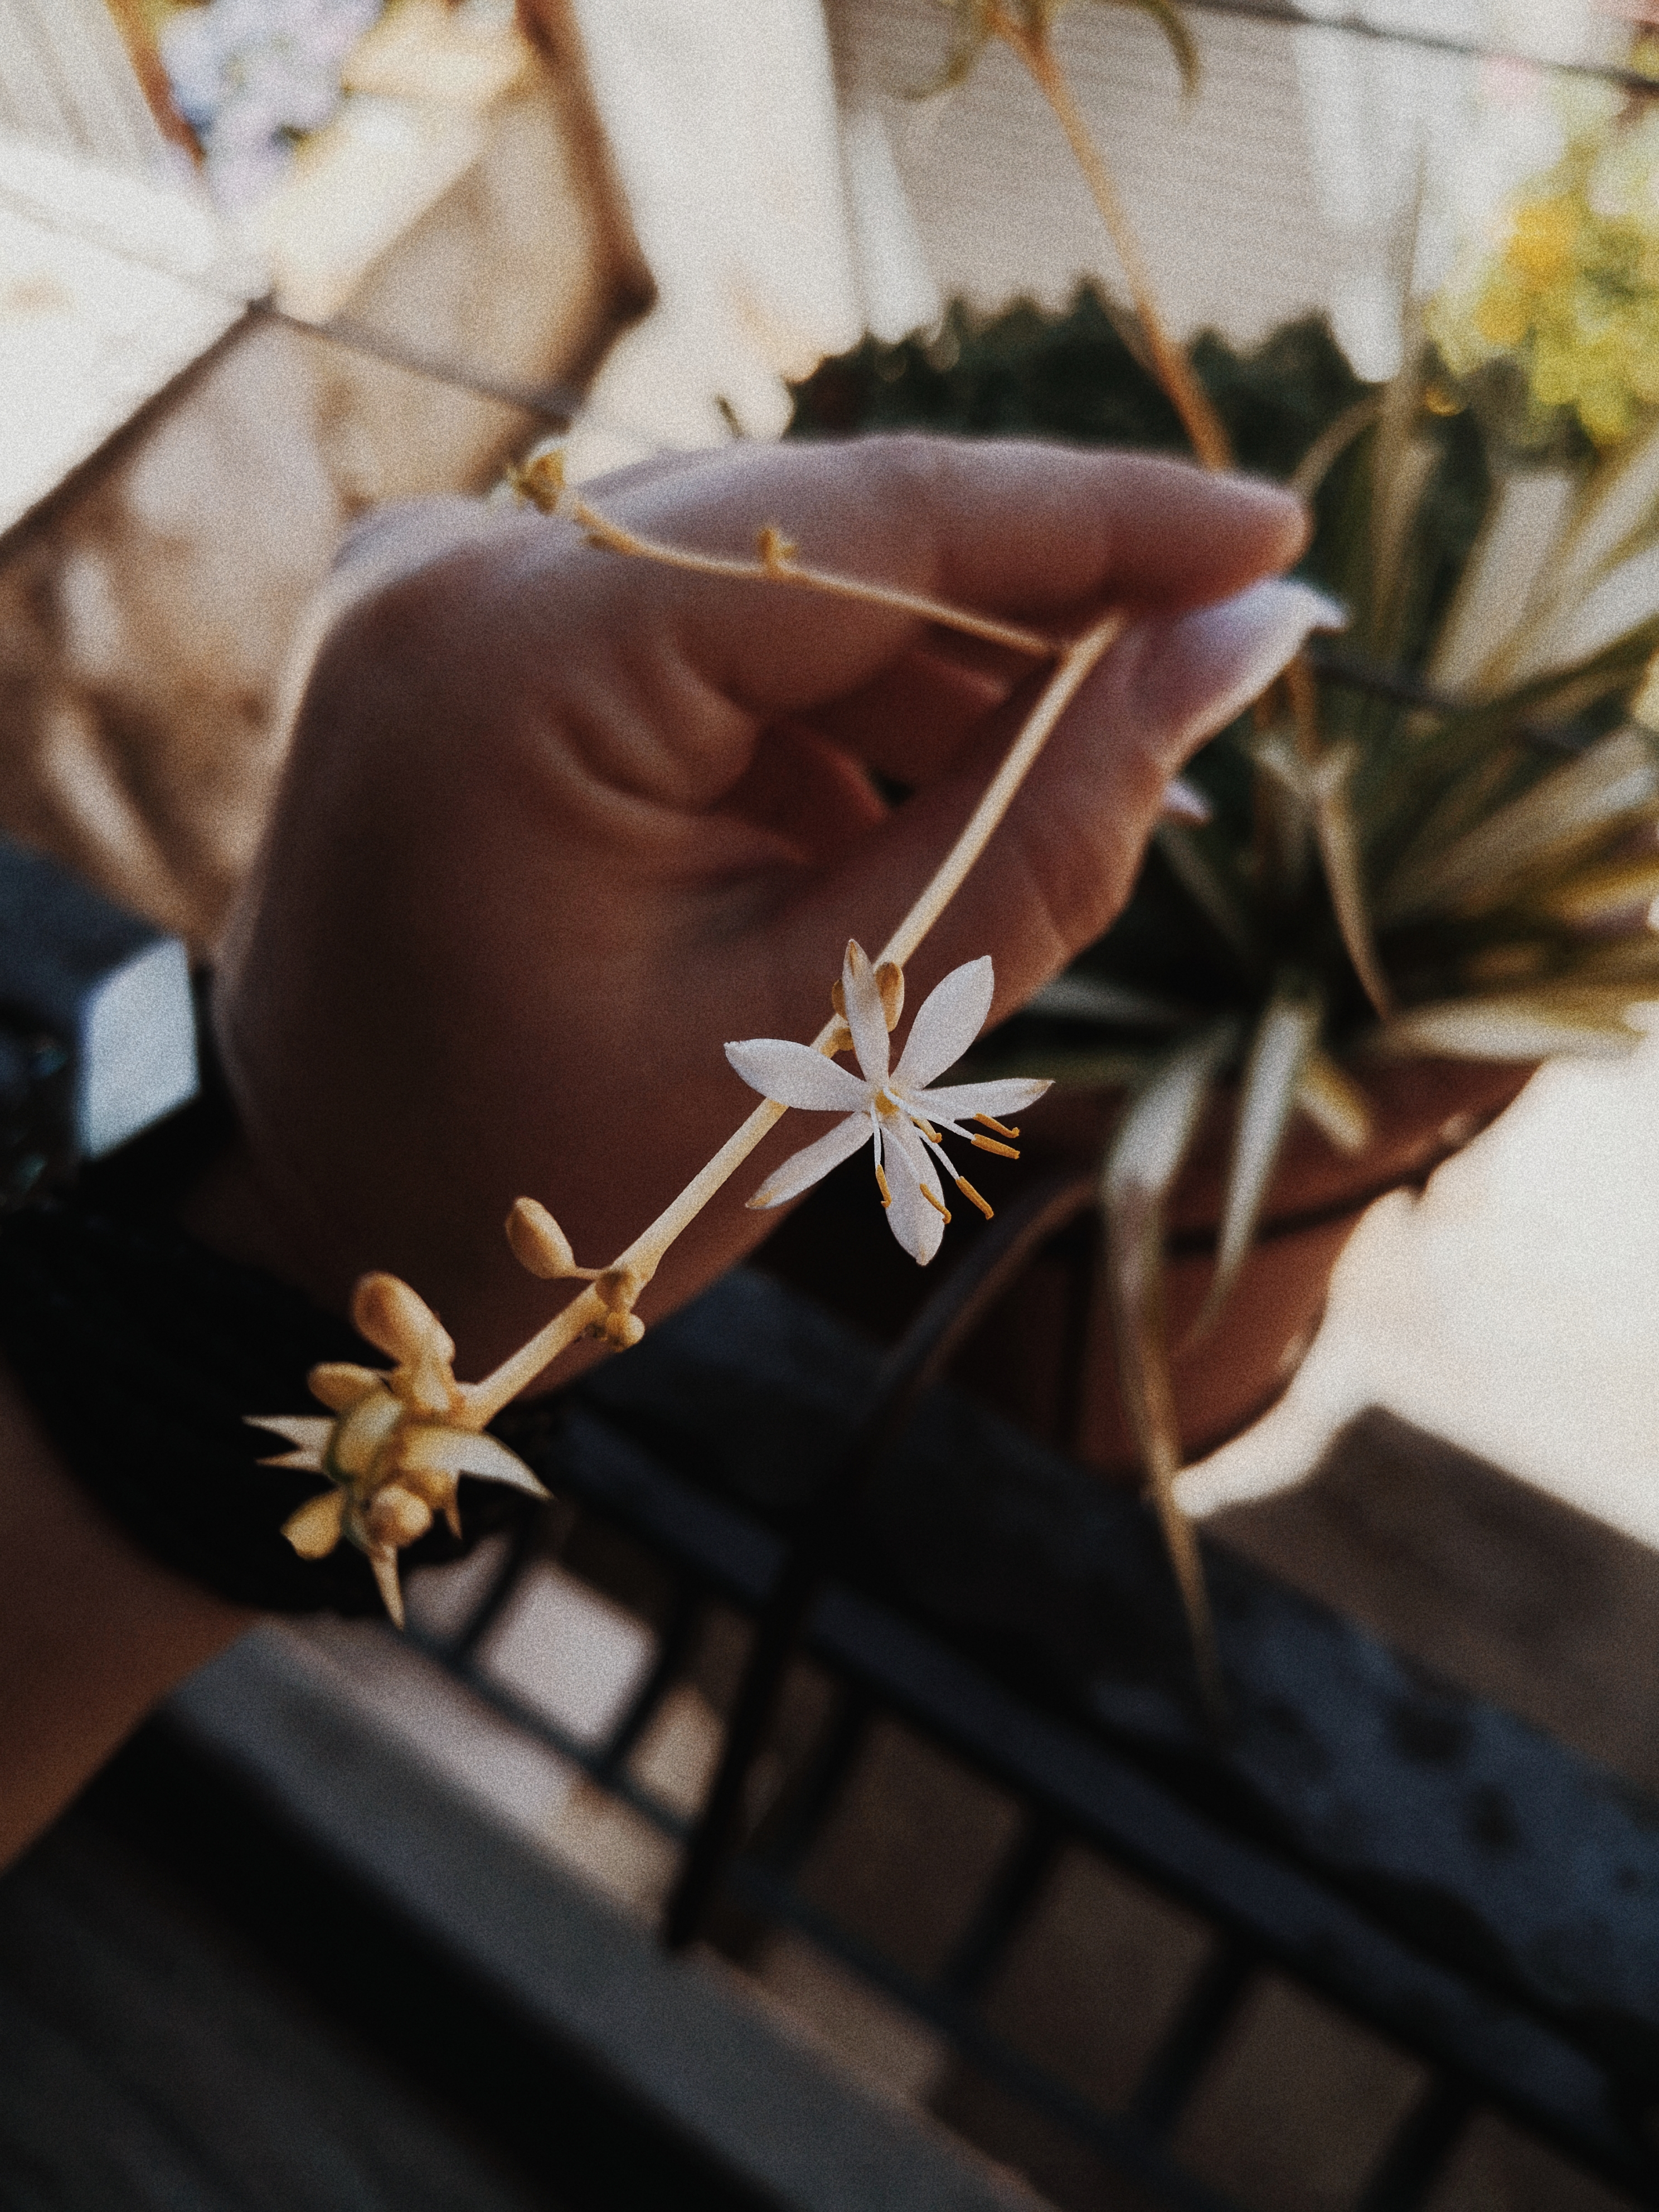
894	1110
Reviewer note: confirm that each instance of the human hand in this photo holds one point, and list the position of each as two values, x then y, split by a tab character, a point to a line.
558	825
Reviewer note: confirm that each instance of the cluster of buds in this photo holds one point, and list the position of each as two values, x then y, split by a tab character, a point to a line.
541	1246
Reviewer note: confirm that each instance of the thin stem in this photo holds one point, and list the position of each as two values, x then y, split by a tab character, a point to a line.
1173	369
1058	693
485	1400
779	566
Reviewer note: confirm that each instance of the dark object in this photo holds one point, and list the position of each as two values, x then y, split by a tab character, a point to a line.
143	1353
97	1024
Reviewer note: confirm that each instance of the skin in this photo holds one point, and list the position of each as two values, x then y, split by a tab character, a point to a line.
556	826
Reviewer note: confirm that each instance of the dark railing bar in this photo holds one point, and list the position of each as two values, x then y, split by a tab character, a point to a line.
1211	2007
1416	2157
1137	2156
1014	1889
552	1734
671	1647
996	1260
459	1650
805	1803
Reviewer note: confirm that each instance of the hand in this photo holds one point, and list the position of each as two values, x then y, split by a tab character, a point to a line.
556	824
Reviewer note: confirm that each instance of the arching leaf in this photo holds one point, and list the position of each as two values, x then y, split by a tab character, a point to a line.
1145	1158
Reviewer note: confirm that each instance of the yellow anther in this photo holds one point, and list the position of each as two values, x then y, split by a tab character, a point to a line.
540	480
776	551
539	1242
927	1128
890	981
881	1185
997	1128
969	1191
990	1145
937	1204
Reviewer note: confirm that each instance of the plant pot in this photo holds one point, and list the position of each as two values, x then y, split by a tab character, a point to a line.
1045	1355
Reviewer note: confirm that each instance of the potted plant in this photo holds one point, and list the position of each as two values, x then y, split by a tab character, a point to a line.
1429	855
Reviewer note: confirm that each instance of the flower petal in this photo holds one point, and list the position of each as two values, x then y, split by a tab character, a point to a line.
795	1075
464	1451
948	1020
918	1227
811	1165
310	1431
314	1530
385	1564
960	1102
865	1015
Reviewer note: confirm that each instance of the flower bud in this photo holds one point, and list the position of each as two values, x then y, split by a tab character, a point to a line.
538	1242
340	1384
623	1329
399	1322
395	1517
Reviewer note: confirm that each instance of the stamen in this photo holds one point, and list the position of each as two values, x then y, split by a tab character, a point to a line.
967	1191
937	1204
990	1145
987	1121
927	1128
881	1185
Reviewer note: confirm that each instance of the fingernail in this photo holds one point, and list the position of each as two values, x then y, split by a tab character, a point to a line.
1211	664
1184	802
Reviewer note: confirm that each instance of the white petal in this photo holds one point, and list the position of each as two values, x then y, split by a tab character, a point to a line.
960	1102
951	1017
463	1451
810	1165
865	1015
795	1075
311	1432
918	1227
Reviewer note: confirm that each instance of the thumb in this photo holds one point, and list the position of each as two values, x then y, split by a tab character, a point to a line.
1061	865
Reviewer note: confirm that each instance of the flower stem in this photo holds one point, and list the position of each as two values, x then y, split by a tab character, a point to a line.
777	570
1173	369
485	1400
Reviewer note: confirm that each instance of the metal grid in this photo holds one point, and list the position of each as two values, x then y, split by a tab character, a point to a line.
640	1452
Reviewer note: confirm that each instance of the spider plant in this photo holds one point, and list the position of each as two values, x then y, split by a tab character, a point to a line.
1440	839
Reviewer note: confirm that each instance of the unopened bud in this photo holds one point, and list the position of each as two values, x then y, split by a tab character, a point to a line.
395	1517
397	1321
538	1242
623	1329
340	1384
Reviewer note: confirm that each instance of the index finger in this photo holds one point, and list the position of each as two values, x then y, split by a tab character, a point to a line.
1033	533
